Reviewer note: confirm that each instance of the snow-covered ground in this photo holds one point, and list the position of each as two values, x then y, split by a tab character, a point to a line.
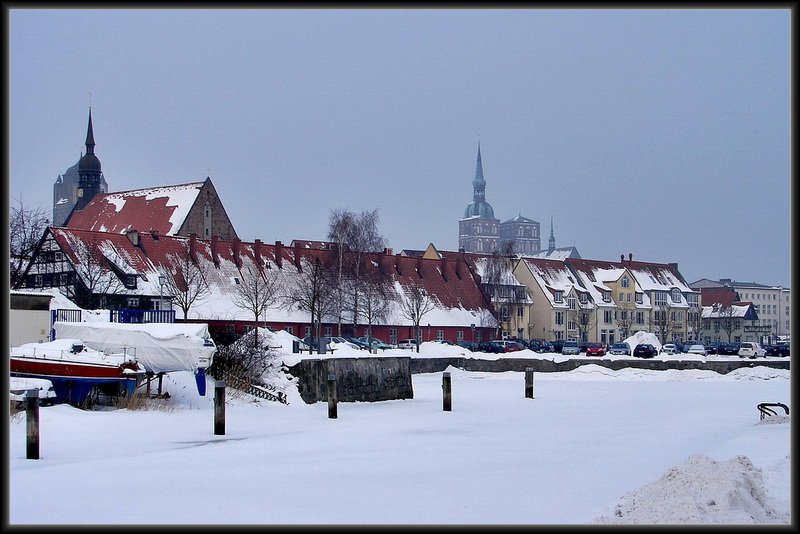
593	446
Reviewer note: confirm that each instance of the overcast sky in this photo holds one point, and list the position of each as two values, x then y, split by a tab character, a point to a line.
663	133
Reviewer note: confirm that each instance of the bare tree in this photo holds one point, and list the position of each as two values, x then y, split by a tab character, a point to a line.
355	236
662	323
97	278
414	305
695	322
186	284
377	295
582	316
25	229
312	292
727	318
256	292
625	316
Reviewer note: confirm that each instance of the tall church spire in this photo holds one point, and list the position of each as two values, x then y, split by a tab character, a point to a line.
478	183
89	170
551	243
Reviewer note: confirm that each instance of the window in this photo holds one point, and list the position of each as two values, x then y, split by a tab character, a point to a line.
63	279
621	297
58	256
230	329
625	282
439	335
660	298
307	331
607	316
559	319
676	295
559	296
571	303
572	325
584	298
639	317
606	296
639	298
520	312
133	302
130	281
38	281
629	297
459	336
393	335
327	331
289	330
248	328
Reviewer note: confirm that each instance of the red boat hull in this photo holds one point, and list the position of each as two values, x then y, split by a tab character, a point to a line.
66	368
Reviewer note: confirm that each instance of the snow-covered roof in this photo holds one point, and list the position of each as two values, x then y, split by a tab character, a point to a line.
723	312
163	209
553	276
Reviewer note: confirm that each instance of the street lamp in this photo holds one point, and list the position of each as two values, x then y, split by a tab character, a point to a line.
161	281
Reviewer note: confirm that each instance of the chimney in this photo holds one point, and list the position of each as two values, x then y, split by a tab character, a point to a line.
630	257
297	255
388	251
193	247
214	251
133	236
235	247
154	233
257	252
622	258
279	254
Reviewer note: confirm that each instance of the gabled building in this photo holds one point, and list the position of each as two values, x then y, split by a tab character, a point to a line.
674	306
116	270
620	308
173	210
732	323
561	308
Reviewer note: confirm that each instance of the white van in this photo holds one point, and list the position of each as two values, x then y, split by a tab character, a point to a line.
751	349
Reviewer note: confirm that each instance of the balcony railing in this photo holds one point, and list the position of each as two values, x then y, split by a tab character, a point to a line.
142	316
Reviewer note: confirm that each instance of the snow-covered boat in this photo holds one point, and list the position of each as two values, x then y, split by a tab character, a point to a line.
159	347
76	370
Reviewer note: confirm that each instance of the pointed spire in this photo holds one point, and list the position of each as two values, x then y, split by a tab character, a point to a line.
90	135
551	244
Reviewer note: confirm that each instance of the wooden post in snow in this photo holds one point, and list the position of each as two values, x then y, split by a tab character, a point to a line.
219	408
332	414
447	398
32	423
529	382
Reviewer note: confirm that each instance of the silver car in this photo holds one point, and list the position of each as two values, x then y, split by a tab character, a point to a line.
570	347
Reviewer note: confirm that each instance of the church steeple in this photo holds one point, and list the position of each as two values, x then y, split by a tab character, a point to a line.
478	183
89	170
551	243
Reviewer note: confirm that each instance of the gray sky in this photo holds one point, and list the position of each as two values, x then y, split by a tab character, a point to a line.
665	133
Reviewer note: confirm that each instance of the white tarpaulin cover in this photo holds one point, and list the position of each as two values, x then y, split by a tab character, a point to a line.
159	347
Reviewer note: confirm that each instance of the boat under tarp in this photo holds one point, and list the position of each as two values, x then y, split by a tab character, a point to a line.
159	347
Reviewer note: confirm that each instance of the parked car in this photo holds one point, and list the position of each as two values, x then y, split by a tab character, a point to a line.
489	346
376	343
357	342
751	349
313	344
713	347
596	349
570	347
669	348
407	344
336	341
583	345
620	349
469	345
697	349
728	349
645	350
557	345
781	349
508	345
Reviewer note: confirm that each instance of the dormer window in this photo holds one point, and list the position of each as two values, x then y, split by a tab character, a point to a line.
625	282
639	298
606	296
584	298
676	295
559	296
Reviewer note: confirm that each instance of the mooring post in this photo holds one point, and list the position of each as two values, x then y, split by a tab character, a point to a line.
32	420
332	396
447	397
529	382
219	408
